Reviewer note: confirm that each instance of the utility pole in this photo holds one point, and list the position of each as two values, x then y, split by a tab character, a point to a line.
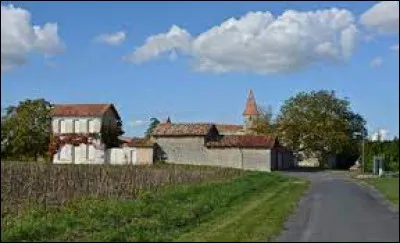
363	158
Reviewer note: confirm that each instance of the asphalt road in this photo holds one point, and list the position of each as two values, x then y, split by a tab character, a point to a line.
336	209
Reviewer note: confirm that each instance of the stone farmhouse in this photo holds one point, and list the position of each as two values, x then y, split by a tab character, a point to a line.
222	145
90	134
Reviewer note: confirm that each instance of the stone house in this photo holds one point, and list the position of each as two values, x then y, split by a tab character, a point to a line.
83	132
90	134
222	145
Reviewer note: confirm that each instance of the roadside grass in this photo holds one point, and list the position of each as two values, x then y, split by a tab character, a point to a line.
258	218
252	207
389	187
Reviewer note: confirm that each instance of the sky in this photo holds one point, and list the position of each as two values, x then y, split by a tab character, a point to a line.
196	61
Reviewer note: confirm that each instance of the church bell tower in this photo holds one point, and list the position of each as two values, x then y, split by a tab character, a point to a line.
250	112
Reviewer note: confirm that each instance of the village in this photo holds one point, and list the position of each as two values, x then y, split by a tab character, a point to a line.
201	121
211	144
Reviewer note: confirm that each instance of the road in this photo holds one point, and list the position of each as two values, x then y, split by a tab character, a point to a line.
339	210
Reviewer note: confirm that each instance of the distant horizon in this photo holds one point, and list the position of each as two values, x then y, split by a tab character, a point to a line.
165	59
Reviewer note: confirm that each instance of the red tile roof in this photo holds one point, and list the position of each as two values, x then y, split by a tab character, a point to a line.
245	141
229	128
136	142
182	129
96	110
251	107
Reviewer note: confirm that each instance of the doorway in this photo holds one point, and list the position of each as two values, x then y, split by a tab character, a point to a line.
133	156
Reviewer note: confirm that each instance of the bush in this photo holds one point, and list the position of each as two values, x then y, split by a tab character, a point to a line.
388	149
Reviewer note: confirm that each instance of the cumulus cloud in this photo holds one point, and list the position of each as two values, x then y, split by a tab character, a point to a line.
383	17
376	62
19	38
112	39
395	48
380	135
175	40
260	42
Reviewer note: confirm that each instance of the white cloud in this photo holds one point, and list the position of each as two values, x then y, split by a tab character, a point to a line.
19	38
259	42
383	17
112	39
136	123
395	48
376	62
176	39
381	134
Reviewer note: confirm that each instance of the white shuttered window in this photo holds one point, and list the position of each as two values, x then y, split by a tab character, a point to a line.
61	127
91	152
76	126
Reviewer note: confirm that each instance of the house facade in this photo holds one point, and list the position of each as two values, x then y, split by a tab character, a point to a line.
82	133
222	145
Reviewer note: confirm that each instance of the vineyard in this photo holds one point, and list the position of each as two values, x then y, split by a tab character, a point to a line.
50	185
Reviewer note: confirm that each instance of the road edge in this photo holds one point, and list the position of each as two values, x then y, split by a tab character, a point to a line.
376	194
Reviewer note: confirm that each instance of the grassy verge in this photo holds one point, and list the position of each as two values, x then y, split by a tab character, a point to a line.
252	207
389	187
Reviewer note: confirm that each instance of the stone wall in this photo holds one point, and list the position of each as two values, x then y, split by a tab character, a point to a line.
257	159
191	150
183	150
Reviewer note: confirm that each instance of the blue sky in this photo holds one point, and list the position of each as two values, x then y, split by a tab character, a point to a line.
202	69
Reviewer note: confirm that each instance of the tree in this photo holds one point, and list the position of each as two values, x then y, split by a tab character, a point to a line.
110	134
153	124
26	129
265	123
318	124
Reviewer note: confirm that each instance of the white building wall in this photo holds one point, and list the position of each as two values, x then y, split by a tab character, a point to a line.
81	124
82	154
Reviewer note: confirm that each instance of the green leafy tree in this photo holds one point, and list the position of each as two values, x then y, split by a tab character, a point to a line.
153	124
26	129
265	123
318	124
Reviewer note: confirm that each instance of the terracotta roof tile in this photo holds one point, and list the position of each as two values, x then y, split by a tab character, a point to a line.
182	129
136	142
82	109
244	141
229	128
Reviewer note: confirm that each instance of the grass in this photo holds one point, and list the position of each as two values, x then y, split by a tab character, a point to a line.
389	187
252	207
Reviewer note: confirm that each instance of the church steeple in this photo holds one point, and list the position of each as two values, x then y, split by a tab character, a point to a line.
250	112
251	107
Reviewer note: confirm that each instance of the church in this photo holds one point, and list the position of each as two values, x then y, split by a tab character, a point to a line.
223	145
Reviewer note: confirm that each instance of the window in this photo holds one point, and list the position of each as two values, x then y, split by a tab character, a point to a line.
69	126
91	152
82	152
75	126
65	152
91	126
61	126
83	126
